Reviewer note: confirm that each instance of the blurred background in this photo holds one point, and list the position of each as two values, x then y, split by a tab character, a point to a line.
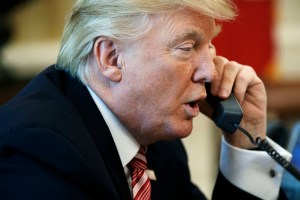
266	35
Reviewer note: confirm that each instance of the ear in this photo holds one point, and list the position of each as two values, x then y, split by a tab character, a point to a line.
106	57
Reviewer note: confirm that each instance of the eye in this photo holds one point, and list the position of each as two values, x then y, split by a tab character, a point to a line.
186	47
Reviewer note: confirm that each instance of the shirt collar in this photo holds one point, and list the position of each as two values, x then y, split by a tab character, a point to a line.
126	144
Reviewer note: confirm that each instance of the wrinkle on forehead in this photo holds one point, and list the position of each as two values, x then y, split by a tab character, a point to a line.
204	25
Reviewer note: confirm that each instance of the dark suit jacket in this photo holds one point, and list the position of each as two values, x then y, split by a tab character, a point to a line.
54	144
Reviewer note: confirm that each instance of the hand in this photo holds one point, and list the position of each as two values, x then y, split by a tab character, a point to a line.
250	93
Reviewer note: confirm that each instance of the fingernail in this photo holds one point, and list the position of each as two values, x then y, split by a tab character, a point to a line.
223	93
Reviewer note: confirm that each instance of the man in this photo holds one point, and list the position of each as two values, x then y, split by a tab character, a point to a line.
131	75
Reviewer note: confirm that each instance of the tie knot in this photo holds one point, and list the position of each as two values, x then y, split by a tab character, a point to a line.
139	161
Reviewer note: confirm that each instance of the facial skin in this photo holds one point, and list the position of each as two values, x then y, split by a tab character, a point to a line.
162	76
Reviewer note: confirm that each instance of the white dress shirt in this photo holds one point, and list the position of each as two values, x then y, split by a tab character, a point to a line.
253	171
126	144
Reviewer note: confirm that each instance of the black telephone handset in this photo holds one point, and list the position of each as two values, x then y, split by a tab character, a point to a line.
226	113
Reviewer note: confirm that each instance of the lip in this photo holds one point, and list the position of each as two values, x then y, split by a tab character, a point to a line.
192	105
192	109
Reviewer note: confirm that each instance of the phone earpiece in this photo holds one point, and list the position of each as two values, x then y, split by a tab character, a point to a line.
226	113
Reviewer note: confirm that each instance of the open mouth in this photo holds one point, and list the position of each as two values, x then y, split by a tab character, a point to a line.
193	108
193	104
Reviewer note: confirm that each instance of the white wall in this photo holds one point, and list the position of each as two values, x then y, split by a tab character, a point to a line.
287	36
203	151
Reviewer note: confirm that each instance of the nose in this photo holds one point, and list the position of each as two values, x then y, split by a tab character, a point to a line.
205	67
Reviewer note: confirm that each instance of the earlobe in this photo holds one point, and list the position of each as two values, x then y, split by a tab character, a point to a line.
106	57
114	74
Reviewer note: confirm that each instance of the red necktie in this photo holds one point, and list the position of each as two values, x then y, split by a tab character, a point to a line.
141	187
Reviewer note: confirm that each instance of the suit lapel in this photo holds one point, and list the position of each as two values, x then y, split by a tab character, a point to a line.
100	134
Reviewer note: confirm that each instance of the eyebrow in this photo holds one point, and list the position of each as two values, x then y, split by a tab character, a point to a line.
194	35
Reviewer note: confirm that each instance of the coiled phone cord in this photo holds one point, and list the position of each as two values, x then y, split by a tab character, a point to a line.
264	145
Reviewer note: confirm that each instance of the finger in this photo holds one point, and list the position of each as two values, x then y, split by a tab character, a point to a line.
230	73
246	78
219	62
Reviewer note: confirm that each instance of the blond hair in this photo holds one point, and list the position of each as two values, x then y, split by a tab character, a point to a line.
122	20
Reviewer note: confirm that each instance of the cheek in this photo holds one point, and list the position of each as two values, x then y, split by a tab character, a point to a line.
170	81
155	80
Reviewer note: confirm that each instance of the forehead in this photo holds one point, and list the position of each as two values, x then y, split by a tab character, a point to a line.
185	23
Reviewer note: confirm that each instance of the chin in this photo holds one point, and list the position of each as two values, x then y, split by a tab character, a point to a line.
180	131
167	136
185	134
